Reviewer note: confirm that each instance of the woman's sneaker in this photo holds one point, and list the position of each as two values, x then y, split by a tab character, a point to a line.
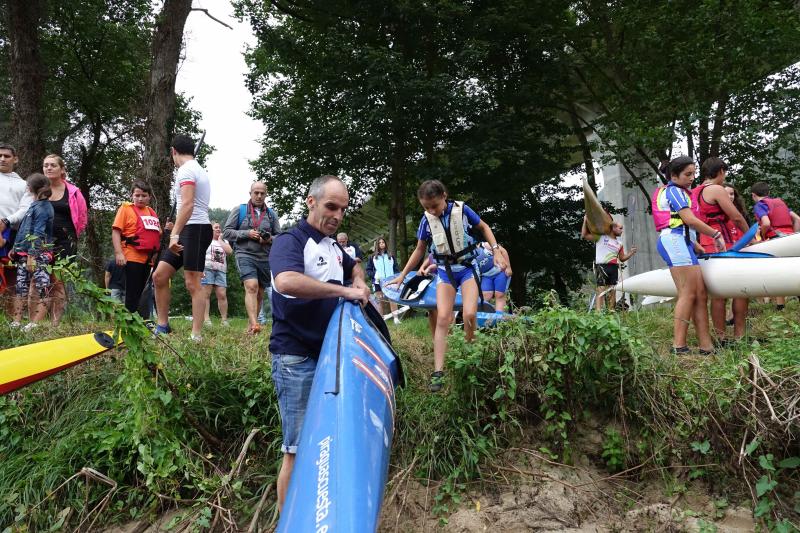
161	330
437	381
30	326
15	325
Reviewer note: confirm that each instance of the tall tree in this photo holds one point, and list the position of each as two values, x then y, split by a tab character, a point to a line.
27	79
165	54
363	89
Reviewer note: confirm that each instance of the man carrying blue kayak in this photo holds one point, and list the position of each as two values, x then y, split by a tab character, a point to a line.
308	269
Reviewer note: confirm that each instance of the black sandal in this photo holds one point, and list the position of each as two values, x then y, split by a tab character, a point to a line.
437	381
679	350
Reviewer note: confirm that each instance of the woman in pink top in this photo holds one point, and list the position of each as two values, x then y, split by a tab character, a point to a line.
69	221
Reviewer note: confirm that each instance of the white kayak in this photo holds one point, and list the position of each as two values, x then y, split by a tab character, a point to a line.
788	246
734	276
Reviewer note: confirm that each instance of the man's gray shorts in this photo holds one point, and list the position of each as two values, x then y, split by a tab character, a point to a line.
252	268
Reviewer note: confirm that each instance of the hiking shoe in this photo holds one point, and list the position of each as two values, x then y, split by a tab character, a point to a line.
437	381
15	325
677	350
29	326
162	330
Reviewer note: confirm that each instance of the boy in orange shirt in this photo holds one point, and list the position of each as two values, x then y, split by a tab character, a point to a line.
136	236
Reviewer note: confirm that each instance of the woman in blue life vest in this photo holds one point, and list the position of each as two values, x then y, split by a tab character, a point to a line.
673	215
382	266
494	281
444	232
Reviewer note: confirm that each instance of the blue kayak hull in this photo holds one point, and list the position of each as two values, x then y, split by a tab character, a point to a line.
487	320
425	300
342	460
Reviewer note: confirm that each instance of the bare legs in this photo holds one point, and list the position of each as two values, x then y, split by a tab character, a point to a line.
739	307
445	296
284	476
222	301
499	299
58	300
192	280
161	276
691	304
253	295
607	300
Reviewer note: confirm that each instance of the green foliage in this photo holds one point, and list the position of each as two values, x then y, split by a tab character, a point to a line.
613	450
147	409
558	360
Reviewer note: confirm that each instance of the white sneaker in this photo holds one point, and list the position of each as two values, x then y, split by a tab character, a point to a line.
14	325
396	320
195	338
226	323
29	326
207	322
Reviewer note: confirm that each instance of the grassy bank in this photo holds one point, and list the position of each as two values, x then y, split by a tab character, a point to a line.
167	423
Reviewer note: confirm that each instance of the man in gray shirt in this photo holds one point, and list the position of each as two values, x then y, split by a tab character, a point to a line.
250	228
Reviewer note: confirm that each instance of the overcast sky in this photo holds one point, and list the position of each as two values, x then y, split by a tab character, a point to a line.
213	75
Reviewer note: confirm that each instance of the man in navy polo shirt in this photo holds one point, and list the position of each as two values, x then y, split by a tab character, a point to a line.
308	273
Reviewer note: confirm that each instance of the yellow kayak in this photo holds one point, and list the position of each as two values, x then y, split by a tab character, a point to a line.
597	219
26	364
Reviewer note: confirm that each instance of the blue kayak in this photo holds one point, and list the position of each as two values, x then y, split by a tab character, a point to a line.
489	319
417	291
343	457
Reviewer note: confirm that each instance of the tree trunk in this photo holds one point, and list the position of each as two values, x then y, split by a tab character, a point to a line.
27	82
519	290
561	288
93	238
402	228
702	141
394	187
716	133
157	166
689	132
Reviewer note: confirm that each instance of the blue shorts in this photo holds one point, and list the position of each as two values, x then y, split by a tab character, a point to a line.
214	277
497	283
252	268
293	376
675	251
460	276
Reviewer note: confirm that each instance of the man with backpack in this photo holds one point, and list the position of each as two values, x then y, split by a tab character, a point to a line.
250	228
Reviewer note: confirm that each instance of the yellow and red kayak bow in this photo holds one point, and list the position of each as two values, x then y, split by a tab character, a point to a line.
23	365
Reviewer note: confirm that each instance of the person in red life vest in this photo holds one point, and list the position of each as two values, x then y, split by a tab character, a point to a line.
738	202
136	235
714	207
774	218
